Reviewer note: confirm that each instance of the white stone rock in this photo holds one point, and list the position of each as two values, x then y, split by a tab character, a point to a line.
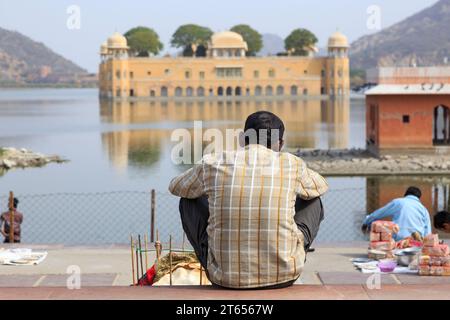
8	164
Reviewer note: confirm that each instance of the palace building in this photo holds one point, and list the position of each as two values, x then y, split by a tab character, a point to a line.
226	71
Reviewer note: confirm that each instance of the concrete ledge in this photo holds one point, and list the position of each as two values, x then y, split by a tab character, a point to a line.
337	292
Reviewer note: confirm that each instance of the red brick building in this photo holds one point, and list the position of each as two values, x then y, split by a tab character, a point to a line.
409	110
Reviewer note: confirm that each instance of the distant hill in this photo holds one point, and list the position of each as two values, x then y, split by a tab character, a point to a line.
24	61
272	44
423	38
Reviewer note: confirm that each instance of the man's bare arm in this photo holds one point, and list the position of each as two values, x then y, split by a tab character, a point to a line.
2	228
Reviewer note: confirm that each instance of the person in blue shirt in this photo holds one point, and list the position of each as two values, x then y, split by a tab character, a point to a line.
407	212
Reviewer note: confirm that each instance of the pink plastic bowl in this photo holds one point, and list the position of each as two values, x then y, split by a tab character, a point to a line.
387	265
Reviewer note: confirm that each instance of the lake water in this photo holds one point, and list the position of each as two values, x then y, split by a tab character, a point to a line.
118	151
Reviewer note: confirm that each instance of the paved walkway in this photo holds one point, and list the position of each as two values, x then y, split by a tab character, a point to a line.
106	273
296	292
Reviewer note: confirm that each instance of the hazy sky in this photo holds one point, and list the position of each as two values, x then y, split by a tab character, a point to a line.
45	20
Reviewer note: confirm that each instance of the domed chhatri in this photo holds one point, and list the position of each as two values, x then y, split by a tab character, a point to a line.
117	41
104	48
338	40
227	39
227	44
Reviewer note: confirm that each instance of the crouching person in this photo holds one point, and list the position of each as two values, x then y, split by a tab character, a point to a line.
252	214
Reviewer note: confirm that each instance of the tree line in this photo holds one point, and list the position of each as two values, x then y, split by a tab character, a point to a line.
144	42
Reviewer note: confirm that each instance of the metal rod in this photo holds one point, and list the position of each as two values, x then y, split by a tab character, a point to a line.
11	217
184	237
152	215
146	252
137	263
158	246
170	258
132	260
140	255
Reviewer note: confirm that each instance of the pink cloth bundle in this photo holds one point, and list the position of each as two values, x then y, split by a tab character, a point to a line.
383	245
431	240
374	236
441	250
384	226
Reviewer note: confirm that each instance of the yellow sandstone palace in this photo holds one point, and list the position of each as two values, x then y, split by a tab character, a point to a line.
225	72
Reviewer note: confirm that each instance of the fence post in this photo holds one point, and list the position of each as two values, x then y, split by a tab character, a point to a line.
11	217
152	216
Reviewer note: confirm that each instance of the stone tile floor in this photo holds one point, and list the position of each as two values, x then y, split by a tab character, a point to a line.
106	274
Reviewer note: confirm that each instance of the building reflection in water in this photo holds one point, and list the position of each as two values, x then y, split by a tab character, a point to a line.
142	129
435	192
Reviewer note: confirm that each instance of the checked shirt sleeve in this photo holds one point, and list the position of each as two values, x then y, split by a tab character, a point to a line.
189	184
310	184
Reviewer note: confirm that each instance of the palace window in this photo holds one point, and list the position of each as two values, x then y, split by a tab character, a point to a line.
406	119
271	73
131	74
167	71
294	90
202	75
200	92
178	92
256	74
229	72
280	90
149	73
187	74
118	74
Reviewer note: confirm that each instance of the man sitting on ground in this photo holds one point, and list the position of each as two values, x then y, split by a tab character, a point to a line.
251	214
407	212
442	221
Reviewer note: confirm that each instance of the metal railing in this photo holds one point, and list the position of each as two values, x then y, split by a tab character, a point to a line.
110	217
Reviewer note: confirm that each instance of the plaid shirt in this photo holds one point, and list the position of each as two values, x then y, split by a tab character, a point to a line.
253	240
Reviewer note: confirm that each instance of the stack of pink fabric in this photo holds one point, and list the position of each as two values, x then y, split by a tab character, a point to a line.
381	237
435	258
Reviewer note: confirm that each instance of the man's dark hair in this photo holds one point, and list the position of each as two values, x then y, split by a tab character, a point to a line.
264	123
15	202
440	218
413	191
